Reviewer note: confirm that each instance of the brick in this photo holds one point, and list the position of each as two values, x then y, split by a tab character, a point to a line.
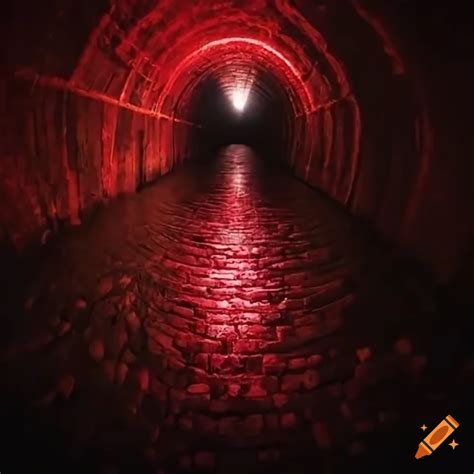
314	360
193	343
200	327
255	331
234	390
256	389
275	319
364	353
176	364
273	364
297	364
164	341
226	364
280	400
222	330
285	332
247	346
202	361
198	389
295	279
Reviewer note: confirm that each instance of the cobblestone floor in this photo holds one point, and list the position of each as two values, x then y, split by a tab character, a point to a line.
227	319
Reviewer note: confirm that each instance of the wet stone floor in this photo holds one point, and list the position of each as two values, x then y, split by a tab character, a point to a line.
227	319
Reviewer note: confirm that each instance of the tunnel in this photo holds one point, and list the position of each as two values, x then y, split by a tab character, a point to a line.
236	235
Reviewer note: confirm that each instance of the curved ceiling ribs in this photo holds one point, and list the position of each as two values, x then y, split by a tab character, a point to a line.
197	32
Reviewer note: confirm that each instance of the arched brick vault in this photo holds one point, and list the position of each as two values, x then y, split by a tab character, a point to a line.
99	112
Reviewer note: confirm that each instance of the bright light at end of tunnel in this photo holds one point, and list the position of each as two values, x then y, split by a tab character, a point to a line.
239	98
237	82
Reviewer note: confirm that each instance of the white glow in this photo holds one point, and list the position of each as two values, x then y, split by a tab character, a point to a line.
239	97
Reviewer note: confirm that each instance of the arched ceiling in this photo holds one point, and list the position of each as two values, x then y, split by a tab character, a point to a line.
169	45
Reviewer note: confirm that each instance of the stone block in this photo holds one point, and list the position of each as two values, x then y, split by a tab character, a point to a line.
202	361
314	360
247	346
280	400
256	389
364	354
226	364
198	389
297	363
273	364
256	331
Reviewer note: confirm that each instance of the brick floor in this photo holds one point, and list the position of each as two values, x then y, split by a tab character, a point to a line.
225	313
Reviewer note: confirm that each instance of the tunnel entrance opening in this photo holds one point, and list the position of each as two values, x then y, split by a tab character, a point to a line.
255	112
237	96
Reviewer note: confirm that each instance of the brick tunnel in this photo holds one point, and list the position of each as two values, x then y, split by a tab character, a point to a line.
237	236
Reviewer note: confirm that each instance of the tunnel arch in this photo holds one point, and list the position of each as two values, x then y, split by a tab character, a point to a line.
290	45
225	61
218	48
